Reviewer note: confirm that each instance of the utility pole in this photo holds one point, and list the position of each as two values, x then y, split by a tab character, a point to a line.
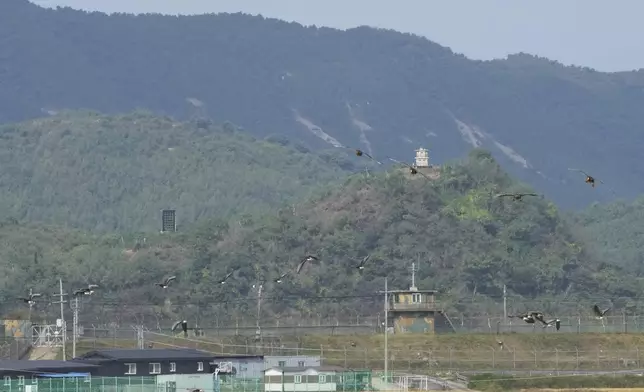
31	303
140	337
61	296
259	303
505	303
258	330
75	304
386	333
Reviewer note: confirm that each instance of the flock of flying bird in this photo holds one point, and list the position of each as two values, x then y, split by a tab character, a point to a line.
515	196
309	258
533	317
530	317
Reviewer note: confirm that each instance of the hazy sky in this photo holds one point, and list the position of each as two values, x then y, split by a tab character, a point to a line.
605	35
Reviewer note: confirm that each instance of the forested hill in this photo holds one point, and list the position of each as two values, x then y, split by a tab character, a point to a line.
115	173
466	242
382	90
615	232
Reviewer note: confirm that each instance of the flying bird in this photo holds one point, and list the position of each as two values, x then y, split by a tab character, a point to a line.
226	277
530	317
308	258
80	292
279	280
589	179
412	169
598	312
363	262
184	326
362	153
30	299
89	290
166	282
538	316
554	322
516	196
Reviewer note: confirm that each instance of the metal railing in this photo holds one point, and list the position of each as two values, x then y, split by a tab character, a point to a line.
430	306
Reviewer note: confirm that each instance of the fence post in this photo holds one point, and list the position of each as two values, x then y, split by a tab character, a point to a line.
345	357
577	355
321	354
493	359
637	352
535	359
514	358
557	360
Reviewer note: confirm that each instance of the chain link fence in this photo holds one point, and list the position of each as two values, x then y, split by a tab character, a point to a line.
82	384
372	325
14	348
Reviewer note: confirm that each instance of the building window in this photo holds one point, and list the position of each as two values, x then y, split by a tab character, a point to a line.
322	379
34	380
131	368
200	366
297	379
281	364
173	367
155	368
415	298
21	380
7	381
300	364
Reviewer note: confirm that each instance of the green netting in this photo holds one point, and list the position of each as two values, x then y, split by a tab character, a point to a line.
82	384
232	384
357	380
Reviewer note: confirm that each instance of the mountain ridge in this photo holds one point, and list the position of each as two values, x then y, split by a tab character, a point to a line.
372	88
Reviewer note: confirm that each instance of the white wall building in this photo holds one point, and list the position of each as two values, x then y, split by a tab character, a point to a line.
422	157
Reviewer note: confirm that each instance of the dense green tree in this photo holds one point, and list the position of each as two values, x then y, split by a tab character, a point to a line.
467	242
115	173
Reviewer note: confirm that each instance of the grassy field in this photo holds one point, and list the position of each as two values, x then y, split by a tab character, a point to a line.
427	353
587	390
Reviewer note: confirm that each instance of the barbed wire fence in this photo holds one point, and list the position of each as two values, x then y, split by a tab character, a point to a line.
364	325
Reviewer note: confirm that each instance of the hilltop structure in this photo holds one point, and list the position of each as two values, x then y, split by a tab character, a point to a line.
422	158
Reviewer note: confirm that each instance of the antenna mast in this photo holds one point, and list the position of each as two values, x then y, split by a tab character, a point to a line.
414	269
